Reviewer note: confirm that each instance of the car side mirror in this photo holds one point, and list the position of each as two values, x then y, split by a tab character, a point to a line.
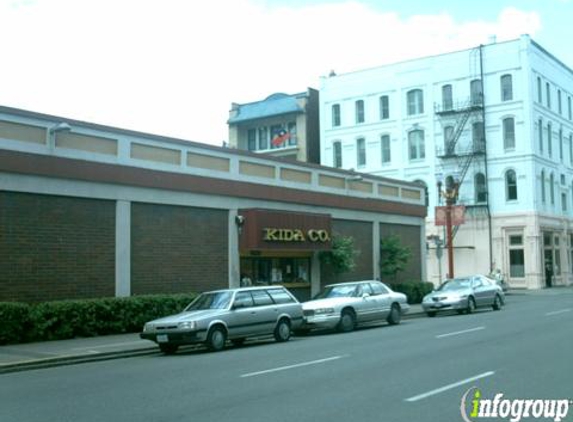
365	295
238	305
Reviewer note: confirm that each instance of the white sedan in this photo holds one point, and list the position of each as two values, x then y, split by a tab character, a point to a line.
344	305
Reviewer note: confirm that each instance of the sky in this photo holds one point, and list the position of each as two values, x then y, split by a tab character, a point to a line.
173	67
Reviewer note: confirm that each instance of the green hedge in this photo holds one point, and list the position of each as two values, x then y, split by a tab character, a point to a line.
58	320
414	290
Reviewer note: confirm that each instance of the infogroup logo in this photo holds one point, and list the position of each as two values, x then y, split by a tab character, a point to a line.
474	407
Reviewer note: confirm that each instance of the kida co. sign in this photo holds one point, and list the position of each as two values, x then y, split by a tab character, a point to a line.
295	235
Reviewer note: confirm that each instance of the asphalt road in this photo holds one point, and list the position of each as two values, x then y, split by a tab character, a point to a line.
417	371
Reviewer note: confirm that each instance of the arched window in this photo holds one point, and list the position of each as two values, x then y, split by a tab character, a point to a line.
476	92
510	185
448	140
415	101
447	98
509	133
506	88
480	188
416	146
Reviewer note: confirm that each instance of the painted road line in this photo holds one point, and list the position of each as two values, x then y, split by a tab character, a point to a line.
449	386
297	365
470	330
562	311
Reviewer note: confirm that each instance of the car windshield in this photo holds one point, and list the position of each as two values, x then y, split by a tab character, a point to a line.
455	284
337	291
215	300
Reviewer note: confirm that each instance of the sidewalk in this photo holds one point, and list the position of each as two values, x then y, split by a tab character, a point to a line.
21	357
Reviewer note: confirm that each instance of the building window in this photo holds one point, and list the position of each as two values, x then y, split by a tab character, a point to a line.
552	188
252	139
539	91
360	111
564	202
426	193
509	133
561	144
559	107
337	154
385	144
263	138
335	115
447	98
480	188
506	88
478	138
543	186
549	140
415	100
516	256
361	152
571	149
449	145
510	186
476	92
416	145
540	133
569	111
548	95
384	107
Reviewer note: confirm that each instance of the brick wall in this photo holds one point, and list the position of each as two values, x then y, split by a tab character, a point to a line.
410	237
54	247
178	249
361	232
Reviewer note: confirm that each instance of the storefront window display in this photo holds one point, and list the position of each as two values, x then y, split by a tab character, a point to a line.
267	270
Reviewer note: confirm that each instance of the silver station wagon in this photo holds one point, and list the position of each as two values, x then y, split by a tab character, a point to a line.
231	314
344	305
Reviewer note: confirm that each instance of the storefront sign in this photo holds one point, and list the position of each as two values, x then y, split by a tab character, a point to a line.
295	235
270	230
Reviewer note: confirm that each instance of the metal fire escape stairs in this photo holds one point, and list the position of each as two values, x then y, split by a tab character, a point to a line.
454	157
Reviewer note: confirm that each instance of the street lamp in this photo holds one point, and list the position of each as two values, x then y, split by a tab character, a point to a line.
450	194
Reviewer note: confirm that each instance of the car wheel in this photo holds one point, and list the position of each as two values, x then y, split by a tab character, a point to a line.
431	314
470	309
497	303
282	331
168	349
347	321
238	342
394	315
216	339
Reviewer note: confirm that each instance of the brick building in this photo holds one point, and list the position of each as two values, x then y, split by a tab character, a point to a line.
92	211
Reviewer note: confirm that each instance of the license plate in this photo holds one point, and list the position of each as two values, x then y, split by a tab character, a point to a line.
162	338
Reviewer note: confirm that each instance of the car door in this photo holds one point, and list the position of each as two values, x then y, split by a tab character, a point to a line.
383	300
243	315
480	291
266	312
366	304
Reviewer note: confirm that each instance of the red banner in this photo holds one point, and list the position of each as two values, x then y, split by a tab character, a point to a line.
457	215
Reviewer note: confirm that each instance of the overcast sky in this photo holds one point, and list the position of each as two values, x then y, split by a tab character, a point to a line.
173	67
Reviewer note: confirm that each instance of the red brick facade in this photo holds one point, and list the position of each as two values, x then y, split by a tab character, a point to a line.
178	249
55	247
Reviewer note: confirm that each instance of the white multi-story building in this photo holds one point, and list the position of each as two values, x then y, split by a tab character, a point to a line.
497	120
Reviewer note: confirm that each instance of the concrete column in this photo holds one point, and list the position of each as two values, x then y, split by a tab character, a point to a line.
234	255
123	248
315	274
376	249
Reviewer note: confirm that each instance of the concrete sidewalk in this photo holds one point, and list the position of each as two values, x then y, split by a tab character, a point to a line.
21	357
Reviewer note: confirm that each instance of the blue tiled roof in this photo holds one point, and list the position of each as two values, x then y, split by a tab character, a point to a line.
273	105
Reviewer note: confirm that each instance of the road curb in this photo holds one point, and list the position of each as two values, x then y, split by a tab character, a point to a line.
73	360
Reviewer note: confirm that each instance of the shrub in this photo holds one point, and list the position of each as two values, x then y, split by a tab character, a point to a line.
414	290
16	323
84	318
